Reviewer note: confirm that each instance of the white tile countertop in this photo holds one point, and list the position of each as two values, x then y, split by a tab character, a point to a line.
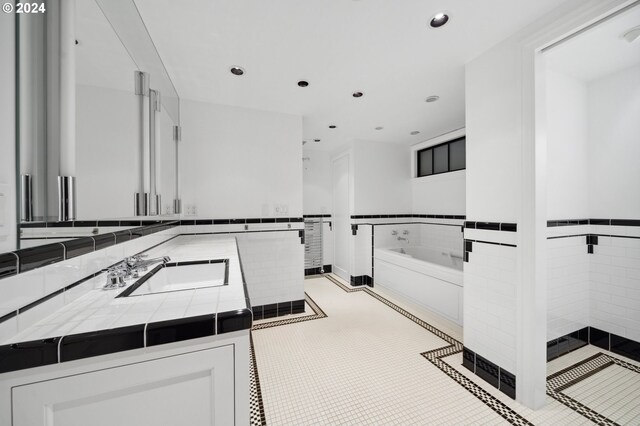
100	309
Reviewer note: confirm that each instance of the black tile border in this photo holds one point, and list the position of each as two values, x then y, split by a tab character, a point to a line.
409	215
608	222
436	357
274	310
312	216
326	269
590	335
50	254
32	258
492	226
567	343
361	280
317	314
491	373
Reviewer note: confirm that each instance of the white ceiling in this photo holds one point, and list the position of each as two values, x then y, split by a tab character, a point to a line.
599	51
383	48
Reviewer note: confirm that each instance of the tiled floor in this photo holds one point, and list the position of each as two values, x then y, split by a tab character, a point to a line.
359	356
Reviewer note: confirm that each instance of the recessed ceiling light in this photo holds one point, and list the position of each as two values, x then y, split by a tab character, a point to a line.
357	94
432	98
439	19
236	70
379	128
333	126
303	83
632	35
415	132
316	140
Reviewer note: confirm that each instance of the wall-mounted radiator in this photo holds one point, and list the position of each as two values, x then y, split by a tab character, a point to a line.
313	243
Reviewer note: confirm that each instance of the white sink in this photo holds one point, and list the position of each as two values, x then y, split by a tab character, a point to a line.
185	277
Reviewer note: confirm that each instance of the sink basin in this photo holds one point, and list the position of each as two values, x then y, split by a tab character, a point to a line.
177	277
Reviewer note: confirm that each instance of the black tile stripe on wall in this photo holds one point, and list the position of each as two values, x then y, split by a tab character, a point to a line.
401	216
492	226
609	222
32	258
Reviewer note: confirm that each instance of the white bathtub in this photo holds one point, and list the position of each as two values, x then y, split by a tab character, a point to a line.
427	277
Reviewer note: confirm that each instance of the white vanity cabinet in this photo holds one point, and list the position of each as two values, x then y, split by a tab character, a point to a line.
194	385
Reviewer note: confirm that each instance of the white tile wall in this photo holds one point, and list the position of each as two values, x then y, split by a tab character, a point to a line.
362	251
490	303
273	265
615	286
567	286
600	289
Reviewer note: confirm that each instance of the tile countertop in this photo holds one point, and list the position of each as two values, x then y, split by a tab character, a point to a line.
99	309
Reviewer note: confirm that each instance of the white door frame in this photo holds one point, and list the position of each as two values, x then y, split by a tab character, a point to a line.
532	286
349	154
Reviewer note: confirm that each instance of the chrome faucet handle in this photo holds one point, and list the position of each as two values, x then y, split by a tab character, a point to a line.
405	232
394	232
115	277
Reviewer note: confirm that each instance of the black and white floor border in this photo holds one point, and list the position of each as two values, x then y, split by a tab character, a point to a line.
563	379
556	382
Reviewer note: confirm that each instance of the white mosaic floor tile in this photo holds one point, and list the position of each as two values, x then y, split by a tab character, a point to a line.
364	357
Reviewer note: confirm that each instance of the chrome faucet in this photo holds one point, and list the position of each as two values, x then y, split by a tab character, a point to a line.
129	268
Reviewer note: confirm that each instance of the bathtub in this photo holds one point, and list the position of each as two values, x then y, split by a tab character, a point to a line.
430	278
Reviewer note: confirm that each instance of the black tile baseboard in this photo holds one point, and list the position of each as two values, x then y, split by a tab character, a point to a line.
491	373
361	280
567	343
278	309
596	337
325	269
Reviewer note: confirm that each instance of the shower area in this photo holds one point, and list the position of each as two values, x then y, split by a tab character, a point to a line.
593	188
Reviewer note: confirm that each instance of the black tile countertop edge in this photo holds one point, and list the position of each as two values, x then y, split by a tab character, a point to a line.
609	222
37	353
412	215
27	259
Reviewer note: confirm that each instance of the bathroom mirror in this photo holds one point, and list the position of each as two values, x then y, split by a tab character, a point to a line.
123	99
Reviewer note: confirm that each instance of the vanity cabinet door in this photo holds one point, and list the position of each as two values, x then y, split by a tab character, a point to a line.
196	388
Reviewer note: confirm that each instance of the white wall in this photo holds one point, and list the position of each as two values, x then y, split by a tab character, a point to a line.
567	169
438	194
382	172
493	106
7	134
107	152
239	162
614	145
316	177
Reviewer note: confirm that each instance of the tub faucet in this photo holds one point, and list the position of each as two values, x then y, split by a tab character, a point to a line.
403	239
